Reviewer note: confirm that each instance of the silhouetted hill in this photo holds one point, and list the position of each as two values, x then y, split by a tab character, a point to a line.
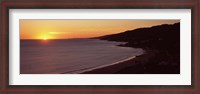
162	46
157	37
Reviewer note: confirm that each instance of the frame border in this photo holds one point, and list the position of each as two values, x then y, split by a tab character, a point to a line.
177	4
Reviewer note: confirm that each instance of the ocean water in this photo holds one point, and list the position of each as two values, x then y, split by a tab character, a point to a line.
71	56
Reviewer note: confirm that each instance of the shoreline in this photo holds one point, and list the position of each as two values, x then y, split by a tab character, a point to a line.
115	68
148	63
103	66
85	70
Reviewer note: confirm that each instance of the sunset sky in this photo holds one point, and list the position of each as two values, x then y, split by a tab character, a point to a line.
65	29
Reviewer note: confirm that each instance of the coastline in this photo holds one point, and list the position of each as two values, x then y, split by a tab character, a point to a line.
103	66
161	44
148	63
115	68
82	71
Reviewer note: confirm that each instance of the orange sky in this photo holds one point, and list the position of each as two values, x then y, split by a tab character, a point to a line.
65	29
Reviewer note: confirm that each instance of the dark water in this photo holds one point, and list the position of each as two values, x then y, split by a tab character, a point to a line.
70	56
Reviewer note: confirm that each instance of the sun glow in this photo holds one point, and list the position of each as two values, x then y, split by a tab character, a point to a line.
66	29
44	38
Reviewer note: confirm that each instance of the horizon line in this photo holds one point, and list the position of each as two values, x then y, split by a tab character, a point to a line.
56	39
101	35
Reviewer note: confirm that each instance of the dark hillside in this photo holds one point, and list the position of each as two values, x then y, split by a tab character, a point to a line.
162	42
162	37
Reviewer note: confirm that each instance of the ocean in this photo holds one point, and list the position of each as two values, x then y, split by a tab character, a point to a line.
71	55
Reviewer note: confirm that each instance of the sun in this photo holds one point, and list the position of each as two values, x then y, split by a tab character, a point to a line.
44	38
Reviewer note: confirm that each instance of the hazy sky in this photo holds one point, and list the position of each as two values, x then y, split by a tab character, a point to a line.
64	29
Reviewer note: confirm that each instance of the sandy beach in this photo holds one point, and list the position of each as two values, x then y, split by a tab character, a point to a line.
147	63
